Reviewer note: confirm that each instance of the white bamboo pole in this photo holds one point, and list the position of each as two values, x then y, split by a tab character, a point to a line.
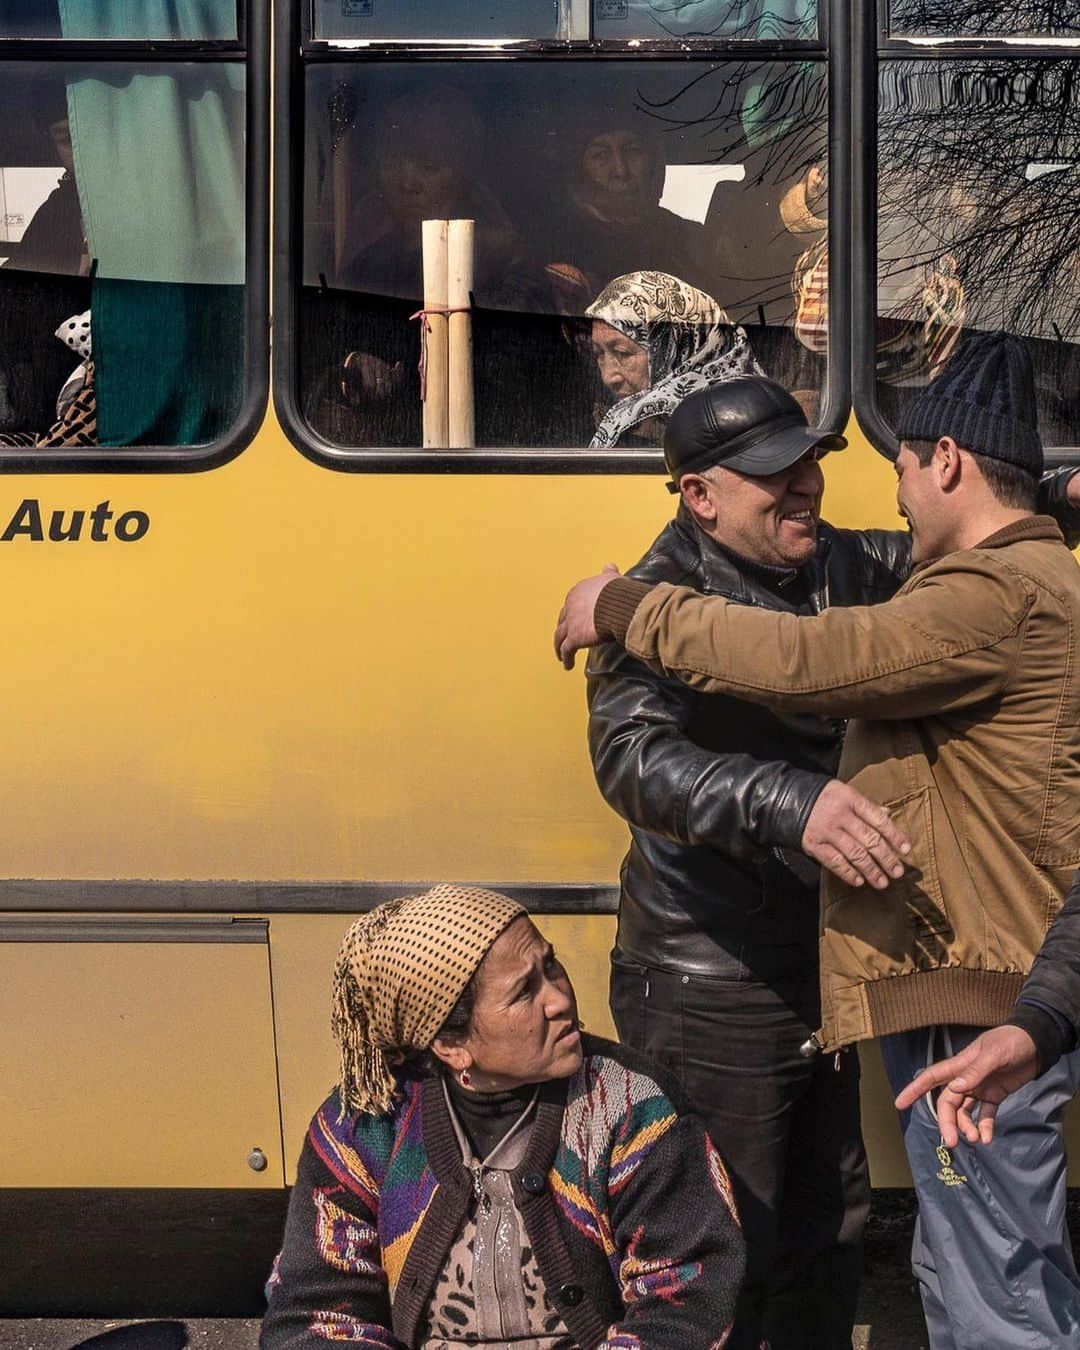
436	425
462	420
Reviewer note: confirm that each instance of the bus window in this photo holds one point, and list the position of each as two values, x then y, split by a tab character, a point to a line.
713	173
979	224
750	20
160	20
132	312
166	295
984	18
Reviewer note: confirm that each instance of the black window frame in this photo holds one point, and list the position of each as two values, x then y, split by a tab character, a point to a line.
252	48
872	44
297	49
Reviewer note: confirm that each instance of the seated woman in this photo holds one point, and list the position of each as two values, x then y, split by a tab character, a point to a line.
657	339
484	1173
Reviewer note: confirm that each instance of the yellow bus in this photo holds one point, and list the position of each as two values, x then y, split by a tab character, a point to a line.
269	659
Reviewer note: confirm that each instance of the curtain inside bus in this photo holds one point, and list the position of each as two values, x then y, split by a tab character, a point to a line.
159	162
187	20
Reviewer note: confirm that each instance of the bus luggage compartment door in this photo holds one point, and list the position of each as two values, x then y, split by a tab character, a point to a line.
137	1052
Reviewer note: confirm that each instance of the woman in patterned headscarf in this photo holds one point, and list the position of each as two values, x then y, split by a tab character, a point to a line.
484	1173
656	339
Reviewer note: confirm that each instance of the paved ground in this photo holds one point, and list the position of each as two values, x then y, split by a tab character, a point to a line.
889	1315
899	1327
889	1320
198	1334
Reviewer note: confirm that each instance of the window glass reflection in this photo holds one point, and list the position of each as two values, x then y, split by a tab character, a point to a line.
979	224
189	20
145	288
670	179
985	18
752	20
462	19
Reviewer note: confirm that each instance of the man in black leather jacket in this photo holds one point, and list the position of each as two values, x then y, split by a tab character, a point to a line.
731	808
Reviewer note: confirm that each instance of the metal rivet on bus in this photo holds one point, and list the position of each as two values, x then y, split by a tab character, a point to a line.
256	1160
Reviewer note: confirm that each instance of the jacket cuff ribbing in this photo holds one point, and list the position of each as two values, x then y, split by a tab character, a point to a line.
1044	1029
616	606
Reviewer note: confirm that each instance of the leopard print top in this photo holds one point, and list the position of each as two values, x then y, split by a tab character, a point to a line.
490	1292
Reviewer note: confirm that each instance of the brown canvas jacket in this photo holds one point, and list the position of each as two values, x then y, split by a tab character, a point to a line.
965	695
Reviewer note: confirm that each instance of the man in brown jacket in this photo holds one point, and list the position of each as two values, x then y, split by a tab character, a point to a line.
964	692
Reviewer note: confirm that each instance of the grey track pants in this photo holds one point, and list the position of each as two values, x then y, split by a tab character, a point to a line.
991	1251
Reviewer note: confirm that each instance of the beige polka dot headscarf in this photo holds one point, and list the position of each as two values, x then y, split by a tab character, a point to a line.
399	973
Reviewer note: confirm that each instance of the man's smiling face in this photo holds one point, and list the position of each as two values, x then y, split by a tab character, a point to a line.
771	519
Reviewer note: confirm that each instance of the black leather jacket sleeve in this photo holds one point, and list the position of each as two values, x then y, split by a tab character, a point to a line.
883	559
1053	501
1054	983
651	772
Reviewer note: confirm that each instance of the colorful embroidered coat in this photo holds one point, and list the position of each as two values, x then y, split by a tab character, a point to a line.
623	1196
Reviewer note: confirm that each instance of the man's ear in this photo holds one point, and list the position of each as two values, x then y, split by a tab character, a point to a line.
695	493
452	1053
947	460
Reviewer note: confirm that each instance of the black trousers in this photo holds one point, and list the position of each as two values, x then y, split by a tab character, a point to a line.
787	1127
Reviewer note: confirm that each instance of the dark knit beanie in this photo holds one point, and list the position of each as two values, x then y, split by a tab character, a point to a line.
984	399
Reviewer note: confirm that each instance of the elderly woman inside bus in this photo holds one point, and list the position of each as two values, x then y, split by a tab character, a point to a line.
486	1174
656	339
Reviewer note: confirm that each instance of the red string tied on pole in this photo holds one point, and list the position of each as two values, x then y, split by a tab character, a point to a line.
425	329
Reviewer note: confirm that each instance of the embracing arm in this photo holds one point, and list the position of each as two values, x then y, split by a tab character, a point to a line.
949	641
328	1282
679	1246
656	777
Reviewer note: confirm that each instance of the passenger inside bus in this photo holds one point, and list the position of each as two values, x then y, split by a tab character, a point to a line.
656	339
427	166
44	277
606	218
54	239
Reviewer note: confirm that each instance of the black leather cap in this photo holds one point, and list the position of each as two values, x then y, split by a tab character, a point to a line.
749	424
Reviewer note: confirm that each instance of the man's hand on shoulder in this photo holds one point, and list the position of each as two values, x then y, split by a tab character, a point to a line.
854	837
576	627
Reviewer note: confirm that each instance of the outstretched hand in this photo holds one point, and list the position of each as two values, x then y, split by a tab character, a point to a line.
994	1065
854	837
576	628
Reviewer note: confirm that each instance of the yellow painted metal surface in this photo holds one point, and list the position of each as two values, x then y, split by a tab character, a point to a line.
305	674
136	1064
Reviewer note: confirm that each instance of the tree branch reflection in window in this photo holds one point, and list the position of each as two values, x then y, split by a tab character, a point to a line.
985	18
979	222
